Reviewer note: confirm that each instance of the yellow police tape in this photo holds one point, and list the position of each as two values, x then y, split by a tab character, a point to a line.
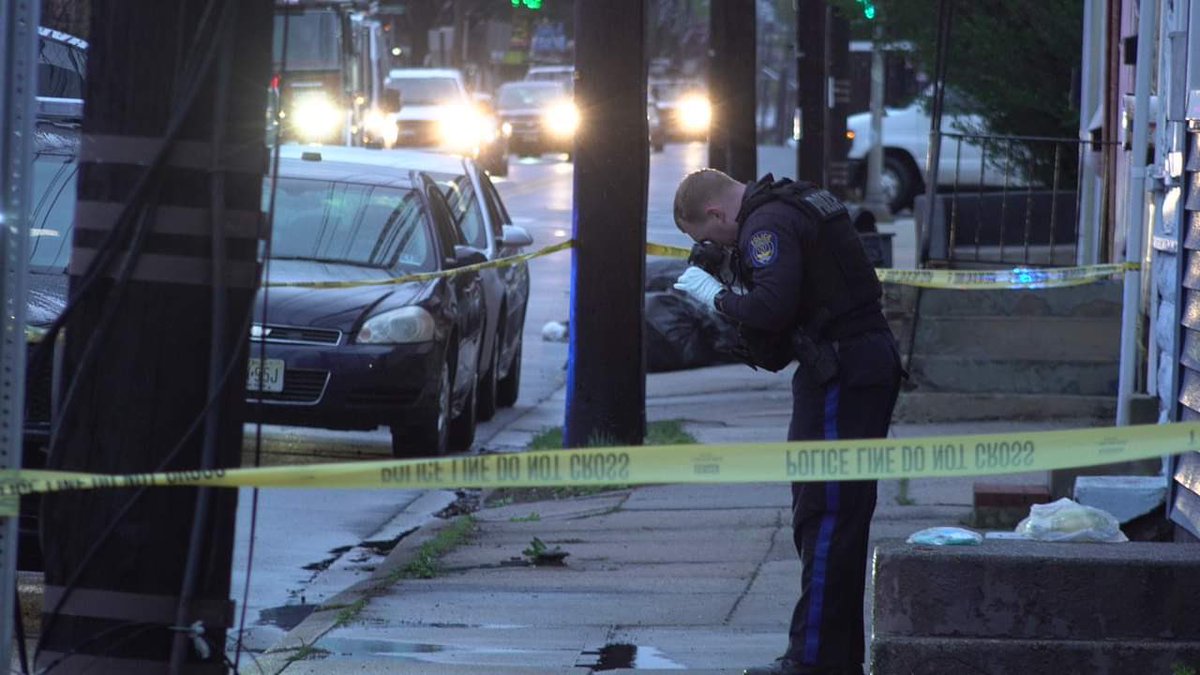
1020	277
963	280
428	276
888	458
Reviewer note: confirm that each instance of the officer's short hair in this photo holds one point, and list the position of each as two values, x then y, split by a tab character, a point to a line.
695	191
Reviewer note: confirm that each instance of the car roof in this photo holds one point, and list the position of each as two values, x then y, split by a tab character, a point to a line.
407	73
551	69
345	172
533	84
402	160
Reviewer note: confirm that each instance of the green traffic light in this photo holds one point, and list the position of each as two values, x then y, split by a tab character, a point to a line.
869	11
533	4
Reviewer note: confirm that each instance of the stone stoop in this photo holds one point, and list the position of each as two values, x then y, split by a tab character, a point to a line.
1007	354
1021	608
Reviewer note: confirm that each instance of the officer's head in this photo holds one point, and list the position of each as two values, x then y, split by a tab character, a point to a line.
706	206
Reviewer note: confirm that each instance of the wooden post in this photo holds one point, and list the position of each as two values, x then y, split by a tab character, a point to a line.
167	229
606	370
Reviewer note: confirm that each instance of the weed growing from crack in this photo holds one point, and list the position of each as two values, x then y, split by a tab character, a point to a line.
427	562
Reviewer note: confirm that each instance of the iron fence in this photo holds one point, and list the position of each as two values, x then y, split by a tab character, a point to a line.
1011	200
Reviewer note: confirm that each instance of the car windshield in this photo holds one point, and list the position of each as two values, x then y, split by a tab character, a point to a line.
528	96
669	92
53	199
351	223
312	40
426	90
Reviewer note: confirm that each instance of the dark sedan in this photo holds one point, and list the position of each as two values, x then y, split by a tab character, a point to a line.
540	117
405	356
483	223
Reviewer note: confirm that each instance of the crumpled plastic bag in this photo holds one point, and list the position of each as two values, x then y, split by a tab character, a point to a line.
945	536
1067	520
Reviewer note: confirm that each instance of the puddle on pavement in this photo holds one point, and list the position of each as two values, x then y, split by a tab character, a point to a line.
286	617
416	651
616	656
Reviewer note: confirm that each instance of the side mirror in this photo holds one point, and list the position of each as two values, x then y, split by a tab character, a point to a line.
465	255
390	101
515	236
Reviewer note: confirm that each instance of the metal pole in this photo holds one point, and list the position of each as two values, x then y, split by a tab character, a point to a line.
933	161
873	198
18	44
1135	205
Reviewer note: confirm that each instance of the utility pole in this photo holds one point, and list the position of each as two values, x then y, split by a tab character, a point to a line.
162	276
606	367
812	91
18	76
837	65
732	73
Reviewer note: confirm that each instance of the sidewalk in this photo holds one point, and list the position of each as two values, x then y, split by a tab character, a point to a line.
699	578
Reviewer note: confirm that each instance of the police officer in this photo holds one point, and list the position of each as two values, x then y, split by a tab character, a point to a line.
802	271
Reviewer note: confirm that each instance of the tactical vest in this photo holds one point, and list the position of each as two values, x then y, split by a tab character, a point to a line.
842	292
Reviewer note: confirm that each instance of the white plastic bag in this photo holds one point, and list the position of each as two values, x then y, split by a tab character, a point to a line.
1066	520
945	536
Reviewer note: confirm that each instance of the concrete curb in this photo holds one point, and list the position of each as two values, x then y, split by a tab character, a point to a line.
276	659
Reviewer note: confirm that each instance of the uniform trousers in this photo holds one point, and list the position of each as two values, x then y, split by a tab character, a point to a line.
831	520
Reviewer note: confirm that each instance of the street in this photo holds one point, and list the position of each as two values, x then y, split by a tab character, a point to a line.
309	544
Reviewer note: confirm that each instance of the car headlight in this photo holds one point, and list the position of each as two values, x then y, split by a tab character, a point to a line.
695	112
562	119
506	129
461	128
406	325
316	118
379	127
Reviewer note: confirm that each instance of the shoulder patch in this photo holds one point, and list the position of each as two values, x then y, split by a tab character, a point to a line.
763	249
825	203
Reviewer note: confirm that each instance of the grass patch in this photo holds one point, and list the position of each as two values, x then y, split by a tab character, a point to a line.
427	563
308	652
349	612
668	432
533	517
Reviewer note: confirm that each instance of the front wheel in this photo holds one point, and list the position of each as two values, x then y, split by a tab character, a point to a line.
898	183
509	386
486	404
462	428
429	435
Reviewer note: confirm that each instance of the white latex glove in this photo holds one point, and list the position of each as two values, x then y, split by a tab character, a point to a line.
700	285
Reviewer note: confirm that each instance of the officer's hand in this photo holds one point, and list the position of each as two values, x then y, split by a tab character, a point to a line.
700	285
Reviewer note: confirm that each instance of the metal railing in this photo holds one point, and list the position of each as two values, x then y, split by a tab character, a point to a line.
1010	200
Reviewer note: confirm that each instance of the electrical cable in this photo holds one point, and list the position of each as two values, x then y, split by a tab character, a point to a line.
19	630
208	457
85	561
262	346
197	67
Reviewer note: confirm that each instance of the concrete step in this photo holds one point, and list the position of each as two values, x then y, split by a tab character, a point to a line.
1027	376
892	655
1046	338
1018	590
924	406
1090	300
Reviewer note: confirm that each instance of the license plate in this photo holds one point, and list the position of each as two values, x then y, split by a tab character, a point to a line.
265	372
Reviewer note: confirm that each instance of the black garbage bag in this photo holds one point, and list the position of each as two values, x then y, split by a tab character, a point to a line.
680	334
662	274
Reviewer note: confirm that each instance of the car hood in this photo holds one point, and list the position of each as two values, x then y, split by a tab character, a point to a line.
519	112
425	113
47	298
341	309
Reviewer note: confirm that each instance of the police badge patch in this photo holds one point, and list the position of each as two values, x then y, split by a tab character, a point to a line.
764	247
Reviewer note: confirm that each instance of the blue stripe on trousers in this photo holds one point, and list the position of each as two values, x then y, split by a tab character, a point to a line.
812	637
